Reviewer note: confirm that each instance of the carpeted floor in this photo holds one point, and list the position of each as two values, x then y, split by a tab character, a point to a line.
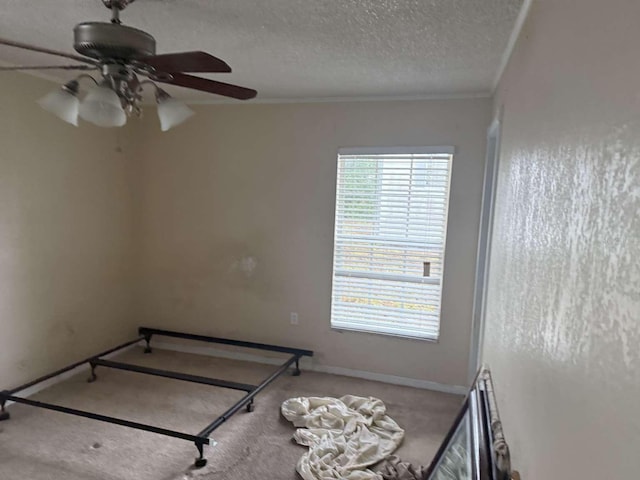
38	444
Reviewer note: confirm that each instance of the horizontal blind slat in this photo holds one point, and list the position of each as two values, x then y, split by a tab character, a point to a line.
392	290
388	277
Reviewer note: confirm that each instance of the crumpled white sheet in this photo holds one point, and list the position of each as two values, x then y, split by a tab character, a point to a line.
344	436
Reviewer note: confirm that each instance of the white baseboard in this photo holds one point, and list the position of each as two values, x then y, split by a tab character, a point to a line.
393	379
28	392
309	364
306	363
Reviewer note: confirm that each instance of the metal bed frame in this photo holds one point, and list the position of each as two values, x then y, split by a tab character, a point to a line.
200	439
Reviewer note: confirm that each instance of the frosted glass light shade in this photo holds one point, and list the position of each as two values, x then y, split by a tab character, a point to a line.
63	104
172	112
102	107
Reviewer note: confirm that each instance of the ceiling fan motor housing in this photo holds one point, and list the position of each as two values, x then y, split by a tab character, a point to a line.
103	41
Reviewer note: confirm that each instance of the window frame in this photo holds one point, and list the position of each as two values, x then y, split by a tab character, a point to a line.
404	150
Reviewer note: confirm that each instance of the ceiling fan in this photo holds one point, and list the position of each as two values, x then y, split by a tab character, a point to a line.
122	55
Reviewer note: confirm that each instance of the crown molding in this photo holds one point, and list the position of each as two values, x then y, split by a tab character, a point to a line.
513	39
279	100
345	99
41	74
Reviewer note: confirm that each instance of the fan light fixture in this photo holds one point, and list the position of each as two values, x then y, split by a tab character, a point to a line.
63	103
102	107
108	103
171	112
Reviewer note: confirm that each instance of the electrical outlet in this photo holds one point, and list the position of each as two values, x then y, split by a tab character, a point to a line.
294	318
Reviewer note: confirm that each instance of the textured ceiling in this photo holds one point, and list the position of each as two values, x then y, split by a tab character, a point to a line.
300	49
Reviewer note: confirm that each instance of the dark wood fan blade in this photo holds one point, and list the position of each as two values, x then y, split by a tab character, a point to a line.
211	86
187	62
33	48
49	67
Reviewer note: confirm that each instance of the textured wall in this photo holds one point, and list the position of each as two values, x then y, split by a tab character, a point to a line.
563	330
65	236
236	213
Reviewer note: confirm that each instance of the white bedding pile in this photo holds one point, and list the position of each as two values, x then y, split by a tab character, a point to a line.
344	436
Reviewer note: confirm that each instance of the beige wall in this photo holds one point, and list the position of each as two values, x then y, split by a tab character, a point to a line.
65	236
259	181
563	330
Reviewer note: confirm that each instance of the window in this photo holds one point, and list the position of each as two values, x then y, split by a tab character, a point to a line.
390	233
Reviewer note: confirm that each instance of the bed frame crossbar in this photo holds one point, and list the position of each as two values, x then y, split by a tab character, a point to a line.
201	439
175	375
247	401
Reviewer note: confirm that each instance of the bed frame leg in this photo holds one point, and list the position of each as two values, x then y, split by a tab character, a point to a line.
4	415
147	339
93	376
296	372
250	406
200	460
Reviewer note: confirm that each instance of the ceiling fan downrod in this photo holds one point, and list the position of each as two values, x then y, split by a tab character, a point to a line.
116	6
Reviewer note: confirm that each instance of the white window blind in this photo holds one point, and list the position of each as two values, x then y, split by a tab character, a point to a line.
390	233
